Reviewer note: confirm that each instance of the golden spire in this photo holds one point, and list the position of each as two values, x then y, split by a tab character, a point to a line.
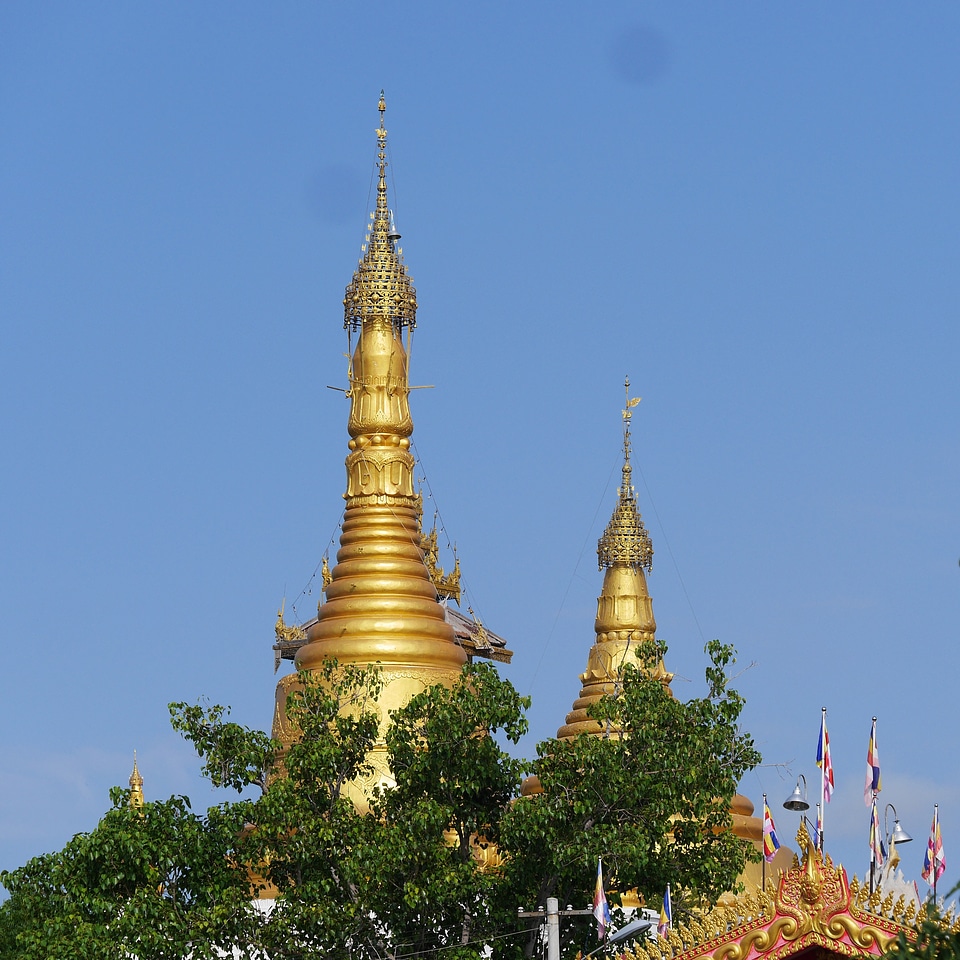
626	540
136	786
381	287
381	605
624	608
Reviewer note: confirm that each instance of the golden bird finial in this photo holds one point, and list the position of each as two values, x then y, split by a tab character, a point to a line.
631	401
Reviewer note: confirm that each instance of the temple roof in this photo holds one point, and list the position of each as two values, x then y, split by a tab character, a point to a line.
811	910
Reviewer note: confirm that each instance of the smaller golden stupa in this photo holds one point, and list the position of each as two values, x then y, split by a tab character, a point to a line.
625	622
624	609
136	786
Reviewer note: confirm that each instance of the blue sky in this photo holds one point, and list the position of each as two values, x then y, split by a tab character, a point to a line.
751	210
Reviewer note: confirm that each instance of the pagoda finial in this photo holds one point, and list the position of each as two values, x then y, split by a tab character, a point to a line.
136	786
625	539
382	163
627	417
381	289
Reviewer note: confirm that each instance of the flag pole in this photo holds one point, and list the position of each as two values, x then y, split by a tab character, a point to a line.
763	862
823	774
936	820
873	767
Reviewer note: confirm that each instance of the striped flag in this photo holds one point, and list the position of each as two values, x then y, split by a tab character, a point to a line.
871	786
878	852
824	761
934	860
666	915
601	909
770	842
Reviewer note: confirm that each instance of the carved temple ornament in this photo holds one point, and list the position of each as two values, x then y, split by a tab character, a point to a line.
447	584
286	633
812	910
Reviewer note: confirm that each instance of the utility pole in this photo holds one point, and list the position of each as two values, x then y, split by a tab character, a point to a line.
552	915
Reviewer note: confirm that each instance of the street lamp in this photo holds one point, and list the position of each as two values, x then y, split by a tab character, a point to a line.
797	801
899	835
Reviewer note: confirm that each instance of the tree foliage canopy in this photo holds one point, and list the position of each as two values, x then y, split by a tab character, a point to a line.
442	859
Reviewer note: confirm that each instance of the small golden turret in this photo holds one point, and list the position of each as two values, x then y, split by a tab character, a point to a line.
381	605
624	609
136	786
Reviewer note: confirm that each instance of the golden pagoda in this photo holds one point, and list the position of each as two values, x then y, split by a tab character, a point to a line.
624	609
625	623
136	786
386	597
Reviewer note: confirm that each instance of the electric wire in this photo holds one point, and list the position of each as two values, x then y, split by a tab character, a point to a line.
460	946
673	559
563	600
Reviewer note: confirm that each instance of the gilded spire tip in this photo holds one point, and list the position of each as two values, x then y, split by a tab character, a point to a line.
381	288
625	539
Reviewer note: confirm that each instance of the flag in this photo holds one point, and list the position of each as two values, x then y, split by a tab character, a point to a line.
666	915
601	909
818	828
934	860
878	852
871	786
824	762
770	842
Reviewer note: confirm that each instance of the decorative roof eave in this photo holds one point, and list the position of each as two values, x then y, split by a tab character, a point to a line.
476	639
813	905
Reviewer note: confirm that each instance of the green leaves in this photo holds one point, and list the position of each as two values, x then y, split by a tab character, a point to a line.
441	859
155	883
652	798
233	756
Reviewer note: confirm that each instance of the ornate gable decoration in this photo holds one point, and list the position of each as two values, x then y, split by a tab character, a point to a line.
812	906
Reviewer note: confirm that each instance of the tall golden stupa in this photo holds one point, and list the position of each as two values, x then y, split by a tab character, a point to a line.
386	599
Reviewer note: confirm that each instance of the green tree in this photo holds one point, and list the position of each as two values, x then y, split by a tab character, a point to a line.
652	798
309	844
160	882
408	876
454	783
